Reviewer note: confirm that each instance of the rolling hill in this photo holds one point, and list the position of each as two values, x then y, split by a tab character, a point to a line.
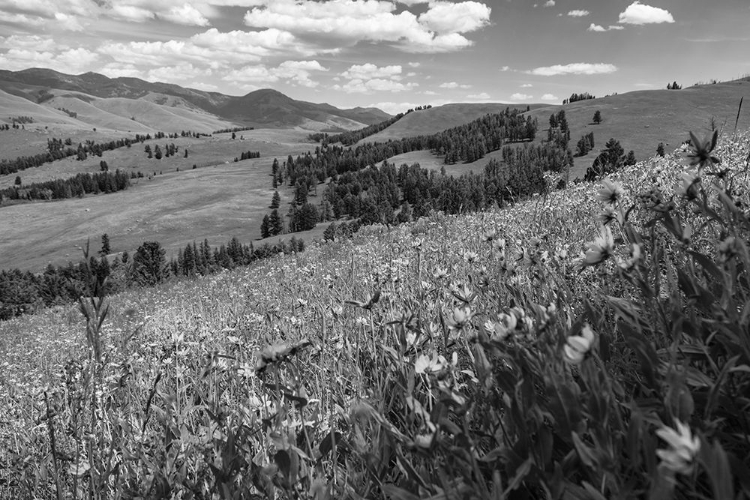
639	120
263	108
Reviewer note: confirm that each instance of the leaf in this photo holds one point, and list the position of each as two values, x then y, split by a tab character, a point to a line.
521	472
393	491
283	461
584	452
716	464
327	444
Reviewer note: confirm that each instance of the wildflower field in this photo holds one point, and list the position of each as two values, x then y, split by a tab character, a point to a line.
591	343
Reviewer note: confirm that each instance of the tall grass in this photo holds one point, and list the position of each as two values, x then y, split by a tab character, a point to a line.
591	343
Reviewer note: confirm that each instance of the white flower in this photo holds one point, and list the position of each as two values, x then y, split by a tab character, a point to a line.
600	249
682	448
577	346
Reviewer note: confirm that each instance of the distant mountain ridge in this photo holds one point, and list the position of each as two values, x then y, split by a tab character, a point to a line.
261	108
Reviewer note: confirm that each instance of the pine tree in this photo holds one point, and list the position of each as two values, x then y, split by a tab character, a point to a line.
150	264
106	249
598	117
265	229
660	149
275	224
276	200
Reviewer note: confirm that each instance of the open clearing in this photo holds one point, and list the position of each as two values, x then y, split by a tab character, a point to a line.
222	200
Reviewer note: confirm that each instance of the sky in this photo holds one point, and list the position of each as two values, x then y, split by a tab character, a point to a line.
393	55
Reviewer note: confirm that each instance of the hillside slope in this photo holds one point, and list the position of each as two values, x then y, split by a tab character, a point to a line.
262	108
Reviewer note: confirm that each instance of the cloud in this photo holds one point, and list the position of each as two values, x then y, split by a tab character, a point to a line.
187	15
207	87
454	85
578	13
34	42
131	13
574	69
297	72
526	86
601	29
401	107
68	22
505	68
66	61
117	70
638	13
414	64
347	22
176	74
367	71
22	19
483	96
550	97
549	3
429	92
521	97
462	17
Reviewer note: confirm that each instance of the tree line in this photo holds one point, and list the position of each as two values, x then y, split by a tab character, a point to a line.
60	189
26	292
353	137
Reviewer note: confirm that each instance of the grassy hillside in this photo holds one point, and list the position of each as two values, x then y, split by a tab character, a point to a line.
482	355
436	119
218	200
639	120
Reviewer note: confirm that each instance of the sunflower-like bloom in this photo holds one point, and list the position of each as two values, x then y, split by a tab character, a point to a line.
600	249
683	448
611	192
576	346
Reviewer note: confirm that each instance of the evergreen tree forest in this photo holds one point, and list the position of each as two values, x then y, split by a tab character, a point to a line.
78	186
25	292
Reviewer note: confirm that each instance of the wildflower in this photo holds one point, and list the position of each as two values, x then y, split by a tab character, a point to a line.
689	187
577	346
683	447
600	249
635	257
490	235
611	192
425	364
460	318
440	273
608	216
701	151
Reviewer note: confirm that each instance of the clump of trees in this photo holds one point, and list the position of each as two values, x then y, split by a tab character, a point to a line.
612	158
578	97
673	86
585	144
80	185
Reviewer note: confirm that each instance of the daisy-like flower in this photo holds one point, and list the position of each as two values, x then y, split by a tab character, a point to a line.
600	249
688	188
608	216
701	150
460	318
635	257
683	448
577	346
611	192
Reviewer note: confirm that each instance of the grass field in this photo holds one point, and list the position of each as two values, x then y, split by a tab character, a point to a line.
639	120
216	201
507	354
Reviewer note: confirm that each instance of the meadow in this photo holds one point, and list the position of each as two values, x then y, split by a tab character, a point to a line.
217	200
589	343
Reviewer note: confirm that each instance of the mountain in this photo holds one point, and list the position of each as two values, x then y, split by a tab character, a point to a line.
264	108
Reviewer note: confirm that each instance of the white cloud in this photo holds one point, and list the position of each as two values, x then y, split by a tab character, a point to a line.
368	70
574	69
549	3
578	13
505	68
347	22
483	96
375	85
117	70
429	92
68	22
600	29
207	87
176	74
454	85
526	86
22	19
131	13
66	61
34	42
297	72
638	13
550	97
521	97
187	15
414	64
462	17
